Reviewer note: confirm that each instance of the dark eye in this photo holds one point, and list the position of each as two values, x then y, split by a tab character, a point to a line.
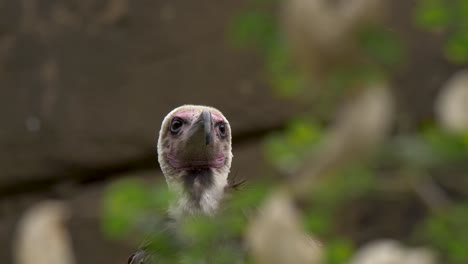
176	125
222	129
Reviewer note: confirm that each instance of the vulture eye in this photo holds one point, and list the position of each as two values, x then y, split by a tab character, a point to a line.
176	125
222	129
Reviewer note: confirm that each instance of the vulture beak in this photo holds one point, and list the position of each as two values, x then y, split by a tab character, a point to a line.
197	145
207	124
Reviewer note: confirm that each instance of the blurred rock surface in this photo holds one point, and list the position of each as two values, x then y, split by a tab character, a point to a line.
451	105
392	252
276	235
42	236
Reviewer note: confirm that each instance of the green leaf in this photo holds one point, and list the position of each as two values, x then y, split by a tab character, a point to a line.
253	29
124	202
287	150
446	231
302	132
456	48
462	13
382	46
286	81
339	251
446	146
201	230
251	196
164	244
288	84
279	153
433	14
348	183
161	197
319	221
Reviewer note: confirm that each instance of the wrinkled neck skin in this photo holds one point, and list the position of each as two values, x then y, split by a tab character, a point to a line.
198	192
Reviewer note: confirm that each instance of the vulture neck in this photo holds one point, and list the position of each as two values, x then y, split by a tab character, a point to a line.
199	192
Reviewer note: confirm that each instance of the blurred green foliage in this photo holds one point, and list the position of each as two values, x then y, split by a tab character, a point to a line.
258	30
123	204
287	149
383	46
339	251
253	29
130	205
447	232
450	17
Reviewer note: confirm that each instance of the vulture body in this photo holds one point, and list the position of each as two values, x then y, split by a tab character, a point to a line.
194	152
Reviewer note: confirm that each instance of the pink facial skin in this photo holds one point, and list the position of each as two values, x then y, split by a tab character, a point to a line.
216	162
188	114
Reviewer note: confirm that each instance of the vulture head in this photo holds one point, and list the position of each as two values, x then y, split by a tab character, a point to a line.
194	152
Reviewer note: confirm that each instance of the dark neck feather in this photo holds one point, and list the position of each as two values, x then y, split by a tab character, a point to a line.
196	182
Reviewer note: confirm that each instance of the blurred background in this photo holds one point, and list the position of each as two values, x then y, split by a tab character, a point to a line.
359	106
